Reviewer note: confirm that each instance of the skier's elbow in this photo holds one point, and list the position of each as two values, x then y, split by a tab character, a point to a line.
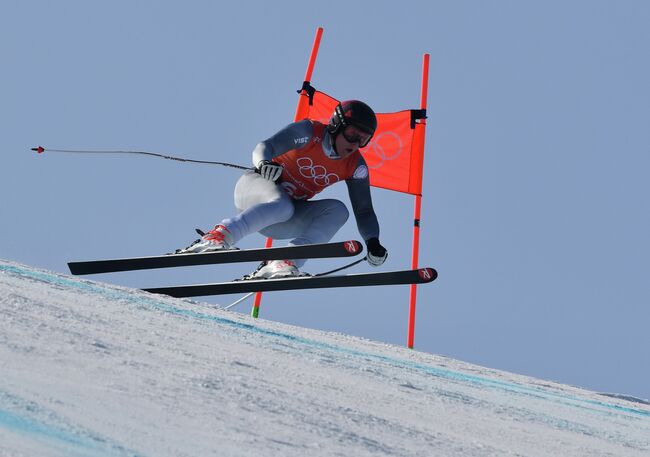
261	152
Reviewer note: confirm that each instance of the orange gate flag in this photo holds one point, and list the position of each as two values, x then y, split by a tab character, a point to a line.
395	153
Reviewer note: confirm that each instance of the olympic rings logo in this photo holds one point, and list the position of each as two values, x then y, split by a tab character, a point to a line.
317	173
385	146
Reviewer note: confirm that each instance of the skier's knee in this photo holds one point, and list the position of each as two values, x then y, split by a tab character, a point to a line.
339	212
283	210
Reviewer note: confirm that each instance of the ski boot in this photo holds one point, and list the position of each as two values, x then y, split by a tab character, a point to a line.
274	269
217	239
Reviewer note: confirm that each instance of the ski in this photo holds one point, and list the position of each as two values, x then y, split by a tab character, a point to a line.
420	276
324	250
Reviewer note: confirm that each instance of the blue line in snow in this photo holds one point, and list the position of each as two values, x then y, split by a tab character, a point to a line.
69	442
139	298
437	372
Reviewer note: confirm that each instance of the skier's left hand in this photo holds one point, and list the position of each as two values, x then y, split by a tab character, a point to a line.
377	254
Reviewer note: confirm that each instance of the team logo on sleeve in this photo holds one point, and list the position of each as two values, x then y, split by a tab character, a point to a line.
361	172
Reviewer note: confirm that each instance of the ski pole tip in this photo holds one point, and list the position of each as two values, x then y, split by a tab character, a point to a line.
39	149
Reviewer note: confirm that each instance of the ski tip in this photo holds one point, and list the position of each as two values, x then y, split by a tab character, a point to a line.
353	247
427	274
73	267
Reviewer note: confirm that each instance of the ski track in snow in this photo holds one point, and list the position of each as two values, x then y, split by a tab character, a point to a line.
100	370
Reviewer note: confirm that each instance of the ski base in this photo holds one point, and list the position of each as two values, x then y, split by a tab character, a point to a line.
309	251
420	276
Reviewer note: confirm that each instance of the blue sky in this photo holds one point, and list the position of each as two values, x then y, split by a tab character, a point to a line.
535	207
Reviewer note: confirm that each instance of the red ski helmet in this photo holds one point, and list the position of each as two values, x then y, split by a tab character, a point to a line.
355	113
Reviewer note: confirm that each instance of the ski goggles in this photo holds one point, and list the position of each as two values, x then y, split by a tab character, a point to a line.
354	135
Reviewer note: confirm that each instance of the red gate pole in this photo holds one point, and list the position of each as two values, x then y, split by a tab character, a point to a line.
420	129
301	112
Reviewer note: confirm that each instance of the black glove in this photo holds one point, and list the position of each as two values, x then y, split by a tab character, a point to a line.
269	170
377	254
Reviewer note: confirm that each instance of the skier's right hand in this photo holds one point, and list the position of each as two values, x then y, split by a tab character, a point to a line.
269	170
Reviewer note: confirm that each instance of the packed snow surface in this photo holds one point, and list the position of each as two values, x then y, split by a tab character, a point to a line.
90	369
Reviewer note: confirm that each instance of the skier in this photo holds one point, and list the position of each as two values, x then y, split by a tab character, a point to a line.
291	167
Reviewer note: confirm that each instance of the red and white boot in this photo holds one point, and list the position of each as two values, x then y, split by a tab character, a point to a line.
274	269
217	239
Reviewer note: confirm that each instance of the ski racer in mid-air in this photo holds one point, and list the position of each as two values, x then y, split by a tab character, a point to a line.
292	167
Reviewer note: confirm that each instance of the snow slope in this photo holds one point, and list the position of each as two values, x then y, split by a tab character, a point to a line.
90	369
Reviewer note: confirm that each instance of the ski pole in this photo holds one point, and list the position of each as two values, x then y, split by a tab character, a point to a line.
344	267
239	301
41	149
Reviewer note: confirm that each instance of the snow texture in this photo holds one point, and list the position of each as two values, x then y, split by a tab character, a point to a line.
90	369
